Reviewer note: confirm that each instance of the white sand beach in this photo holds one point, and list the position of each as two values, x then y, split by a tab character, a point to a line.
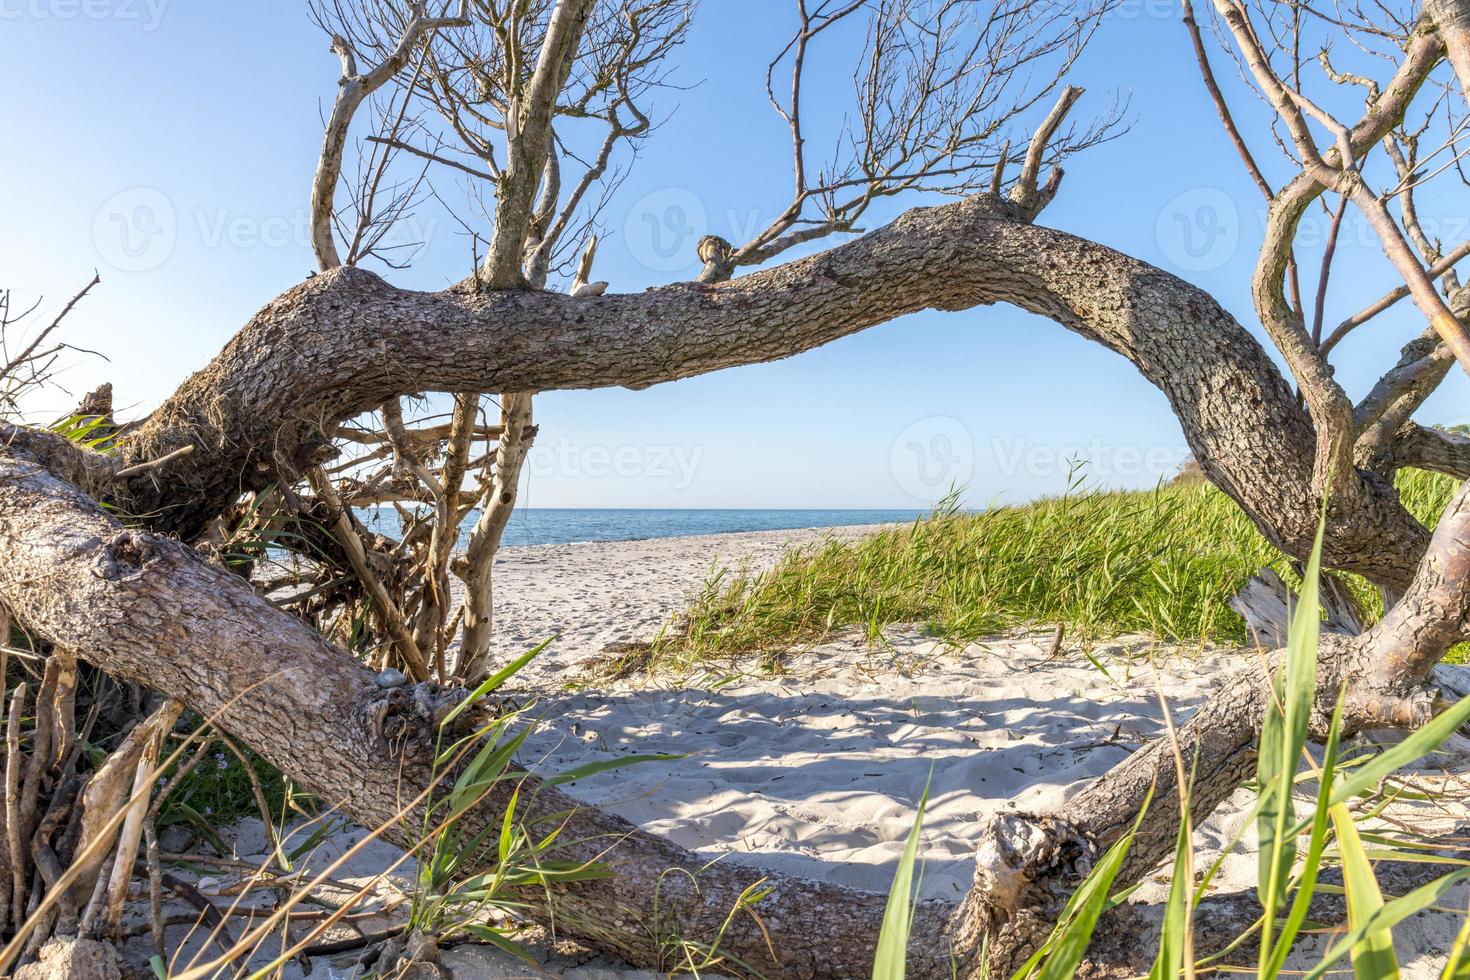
818	771
590	594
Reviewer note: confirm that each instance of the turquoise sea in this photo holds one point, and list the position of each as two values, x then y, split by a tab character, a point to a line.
557	525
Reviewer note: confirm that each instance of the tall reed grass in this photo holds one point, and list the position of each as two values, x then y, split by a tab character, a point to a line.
1163	561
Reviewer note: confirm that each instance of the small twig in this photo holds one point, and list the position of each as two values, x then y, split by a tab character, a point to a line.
30	349
152	464
418	668
259	794
220	931
1454	257
1028	193
12	803
162	794
272	880
131	832
30	655
155	887
432	156
97	901
998	176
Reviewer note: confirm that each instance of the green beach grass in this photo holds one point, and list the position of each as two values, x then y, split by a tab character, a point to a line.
1101	563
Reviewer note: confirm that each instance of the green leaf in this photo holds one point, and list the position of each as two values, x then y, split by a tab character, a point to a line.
1283	737
1389	915
1316	844
1172	938
1373	956
593	768
487	768
494	681
203	826
494	937
323	830
893	937
507	827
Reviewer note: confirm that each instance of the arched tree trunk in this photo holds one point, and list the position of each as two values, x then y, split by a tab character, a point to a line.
345	341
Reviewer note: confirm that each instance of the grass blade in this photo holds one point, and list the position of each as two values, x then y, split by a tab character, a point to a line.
1283	737
1386	917
494	681
893	938
1373	956
593	768
1173	944
1416	746
1316	844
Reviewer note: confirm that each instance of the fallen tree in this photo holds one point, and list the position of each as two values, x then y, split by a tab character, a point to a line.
149	609
260	422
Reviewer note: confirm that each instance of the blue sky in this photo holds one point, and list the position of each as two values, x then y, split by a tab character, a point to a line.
207	116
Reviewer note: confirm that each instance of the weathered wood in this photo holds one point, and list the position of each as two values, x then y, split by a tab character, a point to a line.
345	341
146	608
1265	602
149	609
484	540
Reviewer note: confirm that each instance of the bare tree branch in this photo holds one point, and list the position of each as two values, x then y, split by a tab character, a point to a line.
352	89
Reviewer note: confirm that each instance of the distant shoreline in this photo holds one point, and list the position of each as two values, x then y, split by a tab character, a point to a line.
534	526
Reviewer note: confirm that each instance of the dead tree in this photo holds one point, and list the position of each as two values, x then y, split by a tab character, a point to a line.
500	78
937	102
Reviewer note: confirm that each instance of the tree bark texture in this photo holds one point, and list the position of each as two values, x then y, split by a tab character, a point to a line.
345	341
147	608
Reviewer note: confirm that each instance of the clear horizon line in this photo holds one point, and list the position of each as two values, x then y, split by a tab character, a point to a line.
893	510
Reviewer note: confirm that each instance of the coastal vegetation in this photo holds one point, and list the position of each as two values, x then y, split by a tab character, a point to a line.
1099	563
